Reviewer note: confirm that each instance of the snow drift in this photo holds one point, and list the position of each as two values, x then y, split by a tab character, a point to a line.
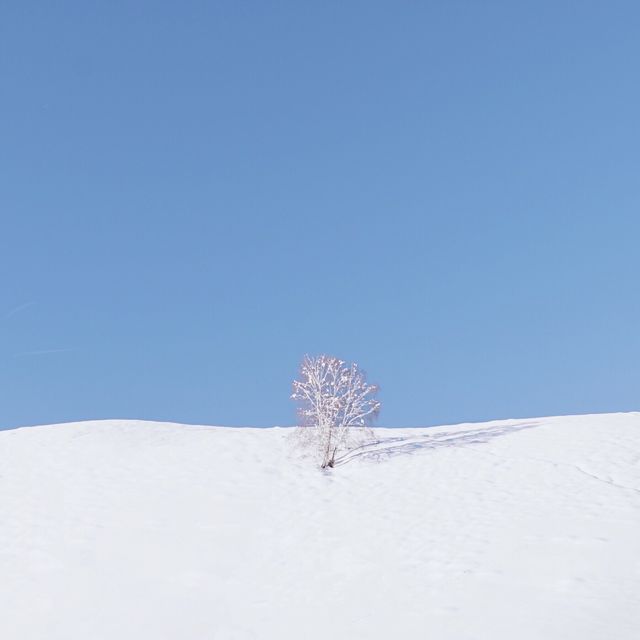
523	529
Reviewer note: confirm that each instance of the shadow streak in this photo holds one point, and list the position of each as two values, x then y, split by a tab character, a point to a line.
386	448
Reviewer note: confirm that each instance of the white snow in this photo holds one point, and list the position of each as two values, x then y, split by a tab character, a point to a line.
526	529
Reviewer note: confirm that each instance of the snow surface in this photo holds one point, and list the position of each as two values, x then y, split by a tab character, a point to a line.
526	529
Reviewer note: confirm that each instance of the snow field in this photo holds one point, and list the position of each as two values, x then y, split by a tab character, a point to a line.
525	529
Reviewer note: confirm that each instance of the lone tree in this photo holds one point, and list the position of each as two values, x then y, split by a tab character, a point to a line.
336	406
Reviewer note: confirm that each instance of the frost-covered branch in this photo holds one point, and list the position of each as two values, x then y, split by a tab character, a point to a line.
335	405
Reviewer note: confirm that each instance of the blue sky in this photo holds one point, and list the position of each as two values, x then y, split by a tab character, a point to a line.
195	194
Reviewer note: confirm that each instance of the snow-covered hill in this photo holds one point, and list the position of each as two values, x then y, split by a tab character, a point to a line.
526	529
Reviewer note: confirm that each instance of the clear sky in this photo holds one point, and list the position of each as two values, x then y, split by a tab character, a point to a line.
195	194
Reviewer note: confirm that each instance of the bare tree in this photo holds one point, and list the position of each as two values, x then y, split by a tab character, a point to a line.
336	406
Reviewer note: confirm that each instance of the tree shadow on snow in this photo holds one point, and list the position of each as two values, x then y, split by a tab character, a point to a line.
385	448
